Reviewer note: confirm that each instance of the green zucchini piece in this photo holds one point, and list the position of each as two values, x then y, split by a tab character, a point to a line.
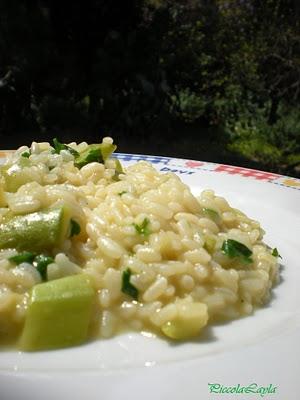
16	175
189	322
212	214
118	170
95	153
36	231
209	243
107	149
59	314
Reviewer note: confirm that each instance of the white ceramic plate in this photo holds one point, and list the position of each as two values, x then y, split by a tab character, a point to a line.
242	355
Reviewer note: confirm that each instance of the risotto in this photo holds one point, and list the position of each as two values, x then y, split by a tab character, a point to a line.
89	248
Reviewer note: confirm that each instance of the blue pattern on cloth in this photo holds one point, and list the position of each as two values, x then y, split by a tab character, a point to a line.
142	157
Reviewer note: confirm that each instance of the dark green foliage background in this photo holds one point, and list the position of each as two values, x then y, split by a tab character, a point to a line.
214	80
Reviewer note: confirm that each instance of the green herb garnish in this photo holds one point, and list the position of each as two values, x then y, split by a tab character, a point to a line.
234	249
75	228
127	286
275	253
123	192
41	263
73	151
143	228
58	147
26	256
26	154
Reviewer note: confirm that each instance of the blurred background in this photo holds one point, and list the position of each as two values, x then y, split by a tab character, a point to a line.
210	80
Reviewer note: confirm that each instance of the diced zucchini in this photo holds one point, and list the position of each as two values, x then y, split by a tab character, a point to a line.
212	214
107	149
59	314
95	153
192	317
36	231
118	170
16	175
3	201
209	243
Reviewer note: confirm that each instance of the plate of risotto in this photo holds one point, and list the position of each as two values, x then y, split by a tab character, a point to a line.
138	276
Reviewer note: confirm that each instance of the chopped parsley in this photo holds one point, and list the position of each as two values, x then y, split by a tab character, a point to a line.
26	256
41	263
234	249
75	228
26	154
143	228
275	253
127	286
123	192
58	147
73	151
